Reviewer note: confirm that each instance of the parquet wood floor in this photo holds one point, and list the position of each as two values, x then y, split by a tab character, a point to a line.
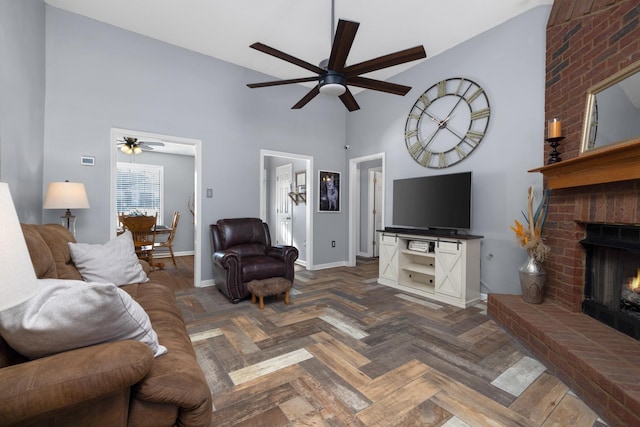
348	351
182	273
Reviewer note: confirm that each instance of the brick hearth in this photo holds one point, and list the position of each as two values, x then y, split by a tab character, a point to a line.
599	363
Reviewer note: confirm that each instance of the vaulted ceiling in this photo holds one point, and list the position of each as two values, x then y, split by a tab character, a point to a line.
224	29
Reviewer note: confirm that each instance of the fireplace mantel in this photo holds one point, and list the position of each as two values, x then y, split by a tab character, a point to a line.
609	164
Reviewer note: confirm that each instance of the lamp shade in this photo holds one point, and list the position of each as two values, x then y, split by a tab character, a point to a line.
66	195
18	280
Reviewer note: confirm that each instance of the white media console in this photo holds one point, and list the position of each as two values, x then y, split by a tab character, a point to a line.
447	271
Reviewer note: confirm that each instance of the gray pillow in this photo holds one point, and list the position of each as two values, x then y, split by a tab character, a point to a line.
114	262
69	314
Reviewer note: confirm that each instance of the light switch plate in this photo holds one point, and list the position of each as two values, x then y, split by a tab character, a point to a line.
209	193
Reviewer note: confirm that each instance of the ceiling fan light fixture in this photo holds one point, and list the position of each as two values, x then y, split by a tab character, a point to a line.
333	89
332	83
131	146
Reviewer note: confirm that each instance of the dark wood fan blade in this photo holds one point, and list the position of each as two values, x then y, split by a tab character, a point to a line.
349	101
342	42
385	61
286	57
283	82
308	97
379	85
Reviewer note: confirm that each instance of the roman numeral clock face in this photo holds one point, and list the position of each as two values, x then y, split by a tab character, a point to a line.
447	122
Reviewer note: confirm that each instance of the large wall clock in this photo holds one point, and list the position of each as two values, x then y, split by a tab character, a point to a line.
447	122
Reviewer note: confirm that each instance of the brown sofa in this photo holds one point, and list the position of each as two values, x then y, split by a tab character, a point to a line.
111	384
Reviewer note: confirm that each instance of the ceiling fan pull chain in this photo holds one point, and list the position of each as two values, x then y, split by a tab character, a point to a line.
333	20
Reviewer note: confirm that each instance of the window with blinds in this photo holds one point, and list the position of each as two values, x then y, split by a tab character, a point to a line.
139	189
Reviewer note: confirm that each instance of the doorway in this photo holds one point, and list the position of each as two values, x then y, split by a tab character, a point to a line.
172	145
374	209
284	223
355	204
302	237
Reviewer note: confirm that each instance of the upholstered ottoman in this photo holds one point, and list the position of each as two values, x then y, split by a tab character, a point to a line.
267	287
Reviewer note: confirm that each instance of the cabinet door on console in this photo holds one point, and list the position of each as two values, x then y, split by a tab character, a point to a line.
449	269
388	260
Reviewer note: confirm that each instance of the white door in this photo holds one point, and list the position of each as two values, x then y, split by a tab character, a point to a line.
284	226
375	210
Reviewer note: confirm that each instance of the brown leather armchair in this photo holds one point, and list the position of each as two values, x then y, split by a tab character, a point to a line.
242	252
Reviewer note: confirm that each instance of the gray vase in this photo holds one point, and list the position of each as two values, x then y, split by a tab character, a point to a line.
532	280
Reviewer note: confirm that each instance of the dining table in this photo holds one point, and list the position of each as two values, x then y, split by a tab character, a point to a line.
161	230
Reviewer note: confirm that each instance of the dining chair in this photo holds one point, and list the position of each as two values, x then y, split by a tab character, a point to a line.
168	244
143	232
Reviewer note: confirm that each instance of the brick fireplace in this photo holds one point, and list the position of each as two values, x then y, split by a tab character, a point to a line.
587	41
612	288
569	212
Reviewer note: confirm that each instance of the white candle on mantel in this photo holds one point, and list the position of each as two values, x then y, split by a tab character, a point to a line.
554	128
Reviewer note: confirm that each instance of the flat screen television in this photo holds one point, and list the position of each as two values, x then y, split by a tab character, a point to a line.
439	202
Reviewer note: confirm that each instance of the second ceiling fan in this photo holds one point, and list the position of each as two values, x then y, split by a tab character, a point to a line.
333	75
131	145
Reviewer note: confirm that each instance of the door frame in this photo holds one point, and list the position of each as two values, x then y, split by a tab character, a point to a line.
371	235
197	145
288	168
354	201
310	197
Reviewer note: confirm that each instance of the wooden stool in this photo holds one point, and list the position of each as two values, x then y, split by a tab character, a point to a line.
267	287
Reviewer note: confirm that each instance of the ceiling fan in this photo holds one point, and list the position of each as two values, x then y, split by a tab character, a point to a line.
131	145
333	75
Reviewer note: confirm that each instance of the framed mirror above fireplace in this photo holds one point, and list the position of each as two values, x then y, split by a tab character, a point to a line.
610	145
612	113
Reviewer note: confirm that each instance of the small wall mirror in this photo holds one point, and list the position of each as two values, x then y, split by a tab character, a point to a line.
301	182
612	115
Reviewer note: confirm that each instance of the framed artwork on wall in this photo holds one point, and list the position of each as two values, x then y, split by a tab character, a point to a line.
329	191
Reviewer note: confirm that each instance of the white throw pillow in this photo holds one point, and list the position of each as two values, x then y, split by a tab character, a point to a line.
69	314
114	262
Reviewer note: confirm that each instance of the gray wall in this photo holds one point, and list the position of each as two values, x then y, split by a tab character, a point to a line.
178	188
99	77
22	94
509	63
121	79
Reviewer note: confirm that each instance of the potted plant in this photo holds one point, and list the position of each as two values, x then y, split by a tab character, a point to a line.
529	236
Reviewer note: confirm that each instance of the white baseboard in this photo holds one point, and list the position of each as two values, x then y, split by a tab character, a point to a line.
330	265
168	255
206	283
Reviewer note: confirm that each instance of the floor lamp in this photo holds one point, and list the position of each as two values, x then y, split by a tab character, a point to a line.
66	195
